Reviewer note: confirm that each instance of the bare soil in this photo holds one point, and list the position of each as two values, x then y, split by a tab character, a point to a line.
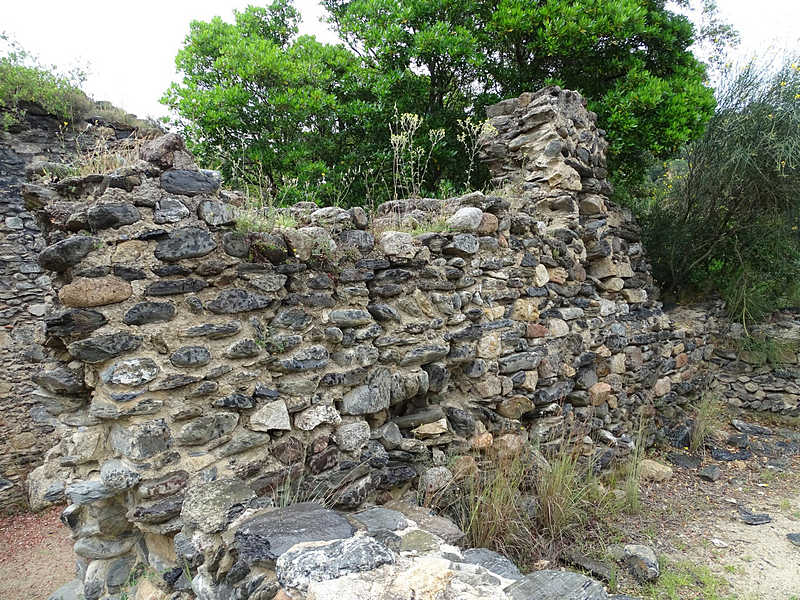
691	521
36	557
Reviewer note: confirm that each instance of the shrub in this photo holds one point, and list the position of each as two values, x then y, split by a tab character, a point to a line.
724	216
23	80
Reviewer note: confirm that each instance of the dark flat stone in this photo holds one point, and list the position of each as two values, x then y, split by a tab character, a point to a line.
556	585
75	321
266	536
684	461
188	183
754	518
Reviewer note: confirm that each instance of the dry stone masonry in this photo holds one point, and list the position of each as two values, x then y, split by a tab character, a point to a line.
196	375
33	149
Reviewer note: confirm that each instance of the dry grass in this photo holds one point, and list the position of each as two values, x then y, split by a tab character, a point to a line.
106	156
526	507
491	510
704	421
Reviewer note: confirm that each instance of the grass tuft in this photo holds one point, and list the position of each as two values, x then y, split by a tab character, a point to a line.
707	411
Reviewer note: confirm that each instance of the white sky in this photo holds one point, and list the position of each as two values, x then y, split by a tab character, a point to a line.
130	47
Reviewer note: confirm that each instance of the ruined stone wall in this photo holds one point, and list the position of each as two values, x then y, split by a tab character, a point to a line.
344	354
749	378
37	149
26	432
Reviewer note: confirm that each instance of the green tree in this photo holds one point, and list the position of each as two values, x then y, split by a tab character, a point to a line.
267	106
630	59
255	97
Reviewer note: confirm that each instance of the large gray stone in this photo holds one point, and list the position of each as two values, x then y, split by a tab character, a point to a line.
242	441
134	371
305	563
190	356
170	287
94	548
425	519
117	475
463	245
216	212
75	321
103	347
266	536
466	219
350	317
237	300
88	492
112	214
59	381
206	428
521	361
271	416
170	210
378	518
313	357
556	585
370	398
141	441
352	436
66	253
189	183
642	562
211	506
69	591
186	242
492	561
149	312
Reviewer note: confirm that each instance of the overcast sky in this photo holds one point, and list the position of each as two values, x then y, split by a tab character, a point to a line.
130	47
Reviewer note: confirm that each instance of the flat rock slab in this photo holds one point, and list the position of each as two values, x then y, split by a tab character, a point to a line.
556	585
685	461
750	428
211	506
794	538
268	535
304	563
727	456
492	561
752	518
444	528
376	519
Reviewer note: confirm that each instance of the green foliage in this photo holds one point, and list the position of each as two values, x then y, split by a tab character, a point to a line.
724	217
267	107
254	93
24	81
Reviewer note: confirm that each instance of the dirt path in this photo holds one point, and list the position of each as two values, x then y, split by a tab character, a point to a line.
37	555
698	526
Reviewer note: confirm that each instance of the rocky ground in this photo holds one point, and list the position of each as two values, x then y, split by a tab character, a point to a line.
699	528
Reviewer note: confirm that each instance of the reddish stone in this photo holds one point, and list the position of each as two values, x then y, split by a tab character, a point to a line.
536	330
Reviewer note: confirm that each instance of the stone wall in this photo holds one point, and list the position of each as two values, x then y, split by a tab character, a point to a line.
743	378
344	354
35	150
26	432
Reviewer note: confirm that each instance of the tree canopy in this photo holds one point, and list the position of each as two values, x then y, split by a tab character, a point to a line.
257	99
